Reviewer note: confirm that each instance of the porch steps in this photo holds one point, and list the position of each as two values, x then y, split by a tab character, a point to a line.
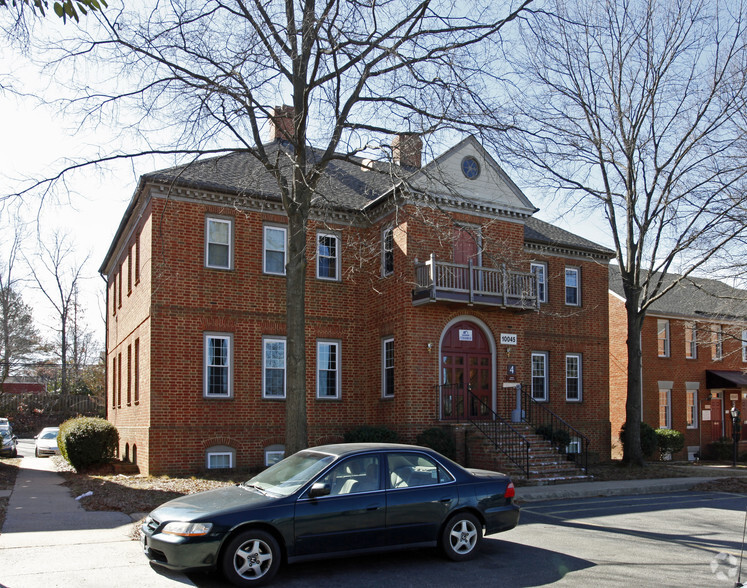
546	465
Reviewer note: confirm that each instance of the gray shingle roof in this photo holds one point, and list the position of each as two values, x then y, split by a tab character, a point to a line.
693	297
346	184
538	231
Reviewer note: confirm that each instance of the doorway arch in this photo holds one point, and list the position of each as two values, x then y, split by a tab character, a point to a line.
467	369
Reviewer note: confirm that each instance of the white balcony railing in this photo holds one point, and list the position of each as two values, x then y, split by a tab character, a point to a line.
444	281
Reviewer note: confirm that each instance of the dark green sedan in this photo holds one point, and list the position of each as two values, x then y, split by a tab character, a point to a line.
331	501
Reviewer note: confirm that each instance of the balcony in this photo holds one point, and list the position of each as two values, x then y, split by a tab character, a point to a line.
440	281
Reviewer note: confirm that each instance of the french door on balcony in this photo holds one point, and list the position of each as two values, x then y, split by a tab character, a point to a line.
466	373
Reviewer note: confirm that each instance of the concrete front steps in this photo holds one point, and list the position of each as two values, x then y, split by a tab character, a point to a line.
546	465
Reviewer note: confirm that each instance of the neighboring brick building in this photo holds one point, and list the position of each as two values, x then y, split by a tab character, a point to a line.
694	360
435	291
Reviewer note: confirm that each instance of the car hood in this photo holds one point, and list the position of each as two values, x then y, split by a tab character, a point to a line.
212	503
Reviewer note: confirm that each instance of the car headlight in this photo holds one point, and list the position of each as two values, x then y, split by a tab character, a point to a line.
187	529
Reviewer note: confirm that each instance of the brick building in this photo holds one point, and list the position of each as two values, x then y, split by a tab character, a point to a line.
431	292
694	346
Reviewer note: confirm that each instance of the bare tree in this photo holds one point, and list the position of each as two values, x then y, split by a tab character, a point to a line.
57	276
354	72
632	108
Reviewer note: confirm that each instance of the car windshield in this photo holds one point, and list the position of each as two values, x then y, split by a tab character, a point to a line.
4	433
288	475
49	435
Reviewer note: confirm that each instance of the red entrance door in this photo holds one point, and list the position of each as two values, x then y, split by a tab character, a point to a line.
466	373
465	246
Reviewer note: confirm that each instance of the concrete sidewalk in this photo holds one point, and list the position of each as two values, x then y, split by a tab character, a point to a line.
611	488
49	540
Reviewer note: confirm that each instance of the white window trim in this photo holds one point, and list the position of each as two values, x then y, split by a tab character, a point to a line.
691	350
229	222
694	392
384	367
282	340
338	371
542	266
265	249
744	345
212	454
718	343
545	362
275	454
206	337
577	271
578	357
667	343
336	237
668	412
386	230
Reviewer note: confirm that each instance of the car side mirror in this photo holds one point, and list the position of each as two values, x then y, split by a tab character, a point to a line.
319	489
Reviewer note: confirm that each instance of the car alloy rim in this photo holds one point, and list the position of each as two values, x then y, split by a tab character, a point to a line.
463	536
253	559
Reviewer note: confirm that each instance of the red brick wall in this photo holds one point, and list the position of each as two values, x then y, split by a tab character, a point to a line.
178	299
676	368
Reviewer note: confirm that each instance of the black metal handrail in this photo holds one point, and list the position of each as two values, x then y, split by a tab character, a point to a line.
502	435
565	437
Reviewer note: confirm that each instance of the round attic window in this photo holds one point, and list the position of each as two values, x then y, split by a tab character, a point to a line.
470	168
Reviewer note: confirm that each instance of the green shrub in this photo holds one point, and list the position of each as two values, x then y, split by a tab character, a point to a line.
370	434
87	441
669	441
439	440
559	437
649	441
721	450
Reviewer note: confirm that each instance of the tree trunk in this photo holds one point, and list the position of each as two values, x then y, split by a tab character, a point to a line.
632	451
296	435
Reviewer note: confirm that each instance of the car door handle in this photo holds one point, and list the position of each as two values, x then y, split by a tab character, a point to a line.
373	507
448	499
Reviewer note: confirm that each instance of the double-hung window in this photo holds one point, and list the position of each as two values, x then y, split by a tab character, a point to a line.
218	240
539	375
328	369
662	337
387	252
327	256
218	360
665	409
744	345
274	250
718	343
273	367
573	377
572	286
540	271
691	341
387	367
692	409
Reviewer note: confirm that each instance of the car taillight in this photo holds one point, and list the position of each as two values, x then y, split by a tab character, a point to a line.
510	490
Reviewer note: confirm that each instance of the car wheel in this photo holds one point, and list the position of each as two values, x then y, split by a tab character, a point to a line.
252	558
461	537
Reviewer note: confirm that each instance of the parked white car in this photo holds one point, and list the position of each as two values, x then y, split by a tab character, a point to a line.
46	442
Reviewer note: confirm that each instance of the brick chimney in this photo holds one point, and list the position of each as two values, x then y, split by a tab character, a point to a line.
407	150
281	123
